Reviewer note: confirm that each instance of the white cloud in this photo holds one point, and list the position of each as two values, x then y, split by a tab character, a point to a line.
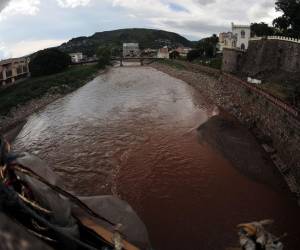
201	17
4	53
20	7
3	4
72	3
132	16
23	48
192	18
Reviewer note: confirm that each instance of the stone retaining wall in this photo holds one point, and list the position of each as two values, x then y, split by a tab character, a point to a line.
253	107
263	58
232	60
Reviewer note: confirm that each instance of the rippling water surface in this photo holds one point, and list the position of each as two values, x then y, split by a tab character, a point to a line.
132	132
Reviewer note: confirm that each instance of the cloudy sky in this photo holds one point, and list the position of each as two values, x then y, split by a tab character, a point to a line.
30	25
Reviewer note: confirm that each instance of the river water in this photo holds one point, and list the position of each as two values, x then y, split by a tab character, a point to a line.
132	132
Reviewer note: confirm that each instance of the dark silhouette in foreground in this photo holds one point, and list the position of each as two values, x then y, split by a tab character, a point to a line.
33	196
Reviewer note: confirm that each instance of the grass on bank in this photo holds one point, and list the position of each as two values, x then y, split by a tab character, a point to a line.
172	63
37	87
276	90
287	92
215	63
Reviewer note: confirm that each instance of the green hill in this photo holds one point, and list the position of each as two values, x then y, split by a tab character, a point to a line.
147	38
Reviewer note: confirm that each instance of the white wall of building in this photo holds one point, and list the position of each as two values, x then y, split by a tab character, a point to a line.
163	53
243	35
76	57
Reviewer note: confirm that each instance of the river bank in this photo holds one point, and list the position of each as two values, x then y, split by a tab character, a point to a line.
276	131
22	100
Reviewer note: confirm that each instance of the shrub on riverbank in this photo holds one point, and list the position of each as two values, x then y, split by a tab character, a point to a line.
38	87
104	57
48	61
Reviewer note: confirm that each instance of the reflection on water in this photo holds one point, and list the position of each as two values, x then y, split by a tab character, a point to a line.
132	132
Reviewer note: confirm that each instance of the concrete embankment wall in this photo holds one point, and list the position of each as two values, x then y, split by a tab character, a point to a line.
250	105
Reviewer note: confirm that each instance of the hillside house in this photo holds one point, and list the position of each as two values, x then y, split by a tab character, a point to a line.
163	53
183	51
13	69
76	57
149	52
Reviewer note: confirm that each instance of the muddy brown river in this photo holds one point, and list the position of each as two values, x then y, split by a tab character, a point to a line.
132	132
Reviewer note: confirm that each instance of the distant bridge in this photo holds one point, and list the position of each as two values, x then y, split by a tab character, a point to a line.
121	59
140	59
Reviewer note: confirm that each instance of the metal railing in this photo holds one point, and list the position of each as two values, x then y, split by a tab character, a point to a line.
280	38
273	99
259	91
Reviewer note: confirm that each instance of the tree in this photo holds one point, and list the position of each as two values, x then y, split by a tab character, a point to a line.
261	29
48	61
208	46
289	22
104	56
174	54
193	54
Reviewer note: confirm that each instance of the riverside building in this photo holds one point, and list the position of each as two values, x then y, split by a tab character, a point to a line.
13	69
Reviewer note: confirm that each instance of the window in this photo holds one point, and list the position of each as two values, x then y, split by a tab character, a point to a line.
25	69
9	73
19	70
243	34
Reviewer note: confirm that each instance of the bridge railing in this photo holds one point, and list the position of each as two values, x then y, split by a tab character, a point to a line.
132	58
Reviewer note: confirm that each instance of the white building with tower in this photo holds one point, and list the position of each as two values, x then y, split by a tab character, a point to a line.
242	34
238	37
